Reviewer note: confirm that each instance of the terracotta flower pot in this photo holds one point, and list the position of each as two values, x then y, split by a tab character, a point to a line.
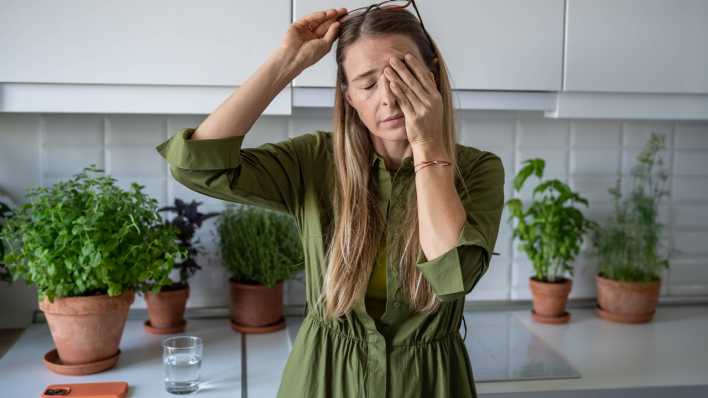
89	328
549	300
166	310
626	302
256	308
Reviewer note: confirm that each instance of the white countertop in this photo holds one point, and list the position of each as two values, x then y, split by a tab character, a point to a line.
23	374
671	351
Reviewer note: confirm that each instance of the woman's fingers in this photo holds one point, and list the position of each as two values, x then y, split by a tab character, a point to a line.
403	100
314	20
399	73
332	32
425	76
324	27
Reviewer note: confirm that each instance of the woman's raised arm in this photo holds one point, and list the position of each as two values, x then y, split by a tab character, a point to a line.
306	41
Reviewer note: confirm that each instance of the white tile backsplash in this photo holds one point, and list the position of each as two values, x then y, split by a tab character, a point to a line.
63	161
637	133
691	243
587	154
310	119
593	187
544	134
691	162
689	272
602	161
596	133
585	268
73	130
493	285
690	189
556	160
687	215
487	133
691	135
135	130
135	161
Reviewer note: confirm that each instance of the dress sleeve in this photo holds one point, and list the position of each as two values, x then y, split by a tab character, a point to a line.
268	176
453	274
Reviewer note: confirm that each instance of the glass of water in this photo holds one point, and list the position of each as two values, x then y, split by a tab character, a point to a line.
182	356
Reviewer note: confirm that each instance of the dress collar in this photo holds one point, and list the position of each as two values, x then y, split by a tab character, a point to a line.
376	159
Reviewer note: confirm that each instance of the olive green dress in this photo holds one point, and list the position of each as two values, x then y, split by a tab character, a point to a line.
401	353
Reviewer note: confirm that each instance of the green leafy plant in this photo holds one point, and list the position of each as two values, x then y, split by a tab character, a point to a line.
628	243
86	236
551	229
5	212
259	245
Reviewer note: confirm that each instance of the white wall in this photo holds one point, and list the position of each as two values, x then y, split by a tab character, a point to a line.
40	149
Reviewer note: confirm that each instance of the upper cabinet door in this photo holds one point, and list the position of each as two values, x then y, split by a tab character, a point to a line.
157	42
487	44
637	46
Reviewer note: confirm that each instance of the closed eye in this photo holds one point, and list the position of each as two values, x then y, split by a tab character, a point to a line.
372	85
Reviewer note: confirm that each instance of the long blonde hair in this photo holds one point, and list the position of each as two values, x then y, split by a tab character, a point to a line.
358	225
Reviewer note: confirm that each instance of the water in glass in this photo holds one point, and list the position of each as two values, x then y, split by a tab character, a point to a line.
182	357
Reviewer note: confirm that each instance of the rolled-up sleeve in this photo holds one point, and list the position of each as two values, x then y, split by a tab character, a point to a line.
456	272
268	176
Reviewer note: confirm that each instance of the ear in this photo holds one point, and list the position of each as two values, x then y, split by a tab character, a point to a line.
348	98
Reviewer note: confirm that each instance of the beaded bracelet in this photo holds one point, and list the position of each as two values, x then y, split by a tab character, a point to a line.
431	162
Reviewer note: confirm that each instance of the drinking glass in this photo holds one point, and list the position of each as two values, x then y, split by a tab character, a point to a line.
182	357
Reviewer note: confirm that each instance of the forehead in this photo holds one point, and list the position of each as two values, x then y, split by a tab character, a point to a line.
369	53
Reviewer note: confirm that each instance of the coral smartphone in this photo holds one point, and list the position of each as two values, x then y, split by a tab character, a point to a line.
112	389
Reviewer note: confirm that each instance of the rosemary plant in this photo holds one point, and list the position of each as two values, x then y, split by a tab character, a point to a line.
259	246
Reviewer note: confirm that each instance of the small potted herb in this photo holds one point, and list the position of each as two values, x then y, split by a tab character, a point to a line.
88	245
166	307
628	243
551	230
260	248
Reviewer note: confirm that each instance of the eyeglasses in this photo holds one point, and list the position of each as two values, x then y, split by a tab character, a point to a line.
390	5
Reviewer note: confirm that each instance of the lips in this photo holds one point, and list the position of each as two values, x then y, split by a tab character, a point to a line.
392	117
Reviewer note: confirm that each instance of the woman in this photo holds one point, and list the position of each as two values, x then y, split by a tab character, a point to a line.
392	241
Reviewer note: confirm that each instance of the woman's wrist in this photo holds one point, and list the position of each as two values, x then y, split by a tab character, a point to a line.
428	151
283	60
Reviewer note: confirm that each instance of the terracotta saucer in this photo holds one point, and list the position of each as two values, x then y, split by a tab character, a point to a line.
280	324
52	361
551	319
624	318
168	330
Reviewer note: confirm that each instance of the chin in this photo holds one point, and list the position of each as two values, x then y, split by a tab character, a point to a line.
392	134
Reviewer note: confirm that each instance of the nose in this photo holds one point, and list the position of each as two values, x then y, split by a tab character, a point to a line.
387	96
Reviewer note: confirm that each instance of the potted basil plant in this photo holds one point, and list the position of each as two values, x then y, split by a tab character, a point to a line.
260	248
88	245
628	243
551	231
166	307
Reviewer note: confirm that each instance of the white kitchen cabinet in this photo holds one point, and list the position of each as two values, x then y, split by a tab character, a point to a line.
487	44
637	46
631	59
160	56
